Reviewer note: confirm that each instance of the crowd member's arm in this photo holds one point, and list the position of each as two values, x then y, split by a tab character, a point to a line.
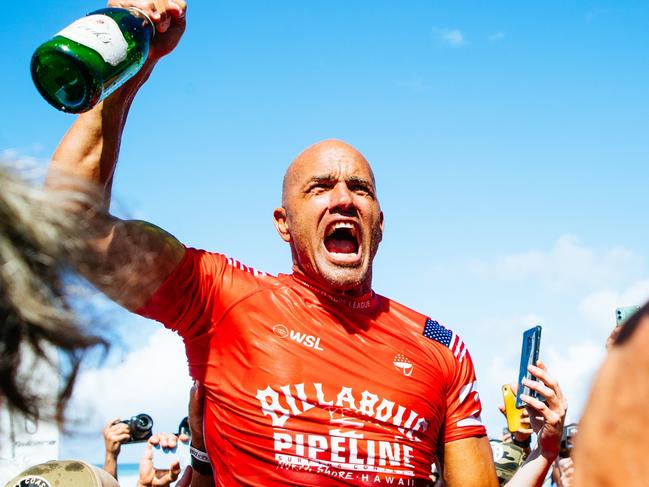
547	420
88	154
115	433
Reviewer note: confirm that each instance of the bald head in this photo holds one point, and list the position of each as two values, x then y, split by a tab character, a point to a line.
331	217
319	157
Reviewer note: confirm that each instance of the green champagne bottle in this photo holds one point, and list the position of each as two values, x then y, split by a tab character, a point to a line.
92	57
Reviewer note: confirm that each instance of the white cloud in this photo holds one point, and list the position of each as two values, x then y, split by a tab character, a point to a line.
598	307
496	36
570	288
567	265
452	37
152	379
575	365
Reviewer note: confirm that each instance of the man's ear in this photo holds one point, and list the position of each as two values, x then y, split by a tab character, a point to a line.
279	216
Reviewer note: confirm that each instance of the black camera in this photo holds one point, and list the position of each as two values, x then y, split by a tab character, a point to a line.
183	427
140	428
567	440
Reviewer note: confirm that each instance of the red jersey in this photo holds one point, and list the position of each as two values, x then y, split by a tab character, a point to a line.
308	388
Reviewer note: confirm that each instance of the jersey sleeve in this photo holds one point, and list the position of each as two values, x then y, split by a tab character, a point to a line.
197	293
463	402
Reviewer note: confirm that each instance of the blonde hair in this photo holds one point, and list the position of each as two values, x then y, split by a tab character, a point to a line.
39	237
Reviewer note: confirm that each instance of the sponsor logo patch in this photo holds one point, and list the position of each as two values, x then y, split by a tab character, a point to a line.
32	481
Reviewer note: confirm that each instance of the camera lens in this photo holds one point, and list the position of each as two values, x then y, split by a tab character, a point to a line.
141	427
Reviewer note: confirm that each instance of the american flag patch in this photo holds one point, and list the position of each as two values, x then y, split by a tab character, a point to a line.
446	337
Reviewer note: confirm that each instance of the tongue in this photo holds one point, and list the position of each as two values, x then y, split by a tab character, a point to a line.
340	246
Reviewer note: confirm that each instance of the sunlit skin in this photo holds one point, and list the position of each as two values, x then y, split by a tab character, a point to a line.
330	186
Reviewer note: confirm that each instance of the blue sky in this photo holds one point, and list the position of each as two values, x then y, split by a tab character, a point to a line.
509	141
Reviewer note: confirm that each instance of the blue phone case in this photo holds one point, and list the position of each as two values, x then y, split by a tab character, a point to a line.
624	313
529	356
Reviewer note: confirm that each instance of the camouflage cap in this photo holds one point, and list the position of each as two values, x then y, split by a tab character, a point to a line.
63	473
507	457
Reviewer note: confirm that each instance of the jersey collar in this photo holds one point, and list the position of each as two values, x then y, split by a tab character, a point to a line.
364	302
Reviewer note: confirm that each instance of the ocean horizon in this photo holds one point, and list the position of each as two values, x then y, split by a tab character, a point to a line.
127	473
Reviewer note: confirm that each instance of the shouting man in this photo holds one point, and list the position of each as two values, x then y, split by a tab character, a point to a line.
310	378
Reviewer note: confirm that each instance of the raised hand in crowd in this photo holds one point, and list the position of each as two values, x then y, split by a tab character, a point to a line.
547	416
115	433
149	475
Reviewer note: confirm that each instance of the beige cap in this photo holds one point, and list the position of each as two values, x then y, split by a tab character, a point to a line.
63	473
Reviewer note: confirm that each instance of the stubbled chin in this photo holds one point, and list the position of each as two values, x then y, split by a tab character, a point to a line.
342	277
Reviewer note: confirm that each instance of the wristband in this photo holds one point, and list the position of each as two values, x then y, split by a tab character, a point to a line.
200	461
523	444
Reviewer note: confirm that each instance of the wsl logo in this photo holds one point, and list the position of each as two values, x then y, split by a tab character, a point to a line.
309	341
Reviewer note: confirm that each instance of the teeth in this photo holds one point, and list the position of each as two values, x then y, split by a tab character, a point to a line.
339	225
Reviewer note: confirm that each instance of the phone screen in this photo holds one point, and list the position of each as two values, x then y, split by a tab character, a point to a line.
529	356
164	457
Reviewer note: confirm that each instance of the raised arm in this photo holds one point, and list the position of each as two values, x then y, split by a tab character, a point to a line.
128	260
547	418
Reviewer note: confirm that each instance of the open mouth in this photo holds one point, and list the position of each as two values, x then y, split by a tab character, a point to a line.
342	238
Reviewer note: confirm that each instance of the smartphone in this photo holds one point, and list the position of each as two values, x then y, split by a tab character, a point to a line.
513	413
164	457
529	356
624	313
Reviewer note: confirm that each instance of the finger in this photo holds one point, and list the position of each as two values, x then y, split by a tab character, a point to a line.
184	438
154	440
120	428
164	440
172	441
541	373
121	438
147	455
547	393
544	412
164	18
177	8
167	476
557	388
167	440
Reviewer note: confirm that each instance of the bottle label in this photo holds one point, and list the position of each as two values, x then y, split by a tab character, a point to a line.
100	33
